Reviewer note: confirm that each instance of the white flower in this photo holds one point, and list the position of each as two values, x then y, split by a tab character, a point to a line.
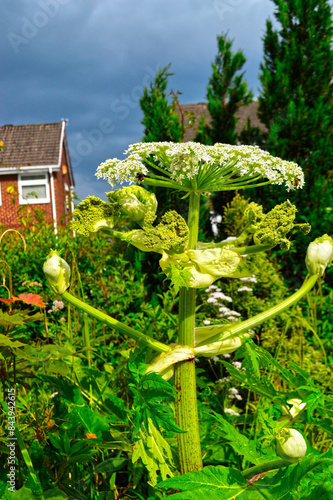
252	279
220	295
230	411
215	358
206	322
237	364
244	289
212	166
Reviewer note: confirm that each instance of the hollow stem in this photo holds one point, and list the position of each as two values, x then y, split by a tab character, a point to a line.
250	323
259	469
113	323
185	382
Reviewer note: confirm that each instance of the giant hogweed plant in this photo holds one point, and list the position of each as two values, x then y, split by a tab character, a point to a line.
194	170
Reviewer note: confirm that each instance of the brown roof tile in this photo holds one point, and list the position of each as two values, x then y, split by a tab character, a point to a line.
30	145
199	109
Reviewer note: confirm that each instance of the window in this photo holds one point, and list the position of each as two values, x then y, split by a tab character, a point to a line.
34	188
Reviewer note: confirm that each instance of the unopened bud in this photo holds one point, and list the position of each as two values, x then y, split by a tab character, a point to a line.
57	273
319	255
291	445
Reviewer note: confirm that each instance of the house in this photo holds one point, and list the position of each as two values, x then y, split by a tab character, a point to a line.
190	112
35	171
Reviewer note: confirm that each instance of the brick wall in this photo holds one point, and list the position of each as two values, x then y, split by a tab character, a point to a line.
11	210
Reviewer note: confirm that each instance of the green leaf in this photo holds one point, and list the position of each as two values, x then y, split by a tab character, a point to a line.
320	492
215	483
155	453
20	318
242	445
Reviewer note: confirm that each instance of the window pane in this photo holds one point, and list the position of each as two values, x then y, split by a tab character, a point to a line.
33	192
37	177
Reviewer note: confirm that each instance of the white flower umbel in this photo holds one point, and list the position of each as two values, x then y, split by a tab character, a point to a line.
192	166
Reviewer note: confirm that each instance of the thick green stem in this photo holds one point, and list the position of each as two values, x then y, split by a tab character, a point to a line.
250	323
186	400
113	323
259	469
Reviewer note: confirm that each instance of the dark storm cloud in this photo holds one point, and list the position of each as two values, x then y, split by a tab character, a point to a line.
89	61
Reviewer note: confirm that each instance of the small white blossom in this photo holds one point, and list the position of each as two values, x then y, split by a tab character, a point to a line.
226	355
220	295
230	411
233	393
206	321
215	358
213	165
237	364
244	289
252	279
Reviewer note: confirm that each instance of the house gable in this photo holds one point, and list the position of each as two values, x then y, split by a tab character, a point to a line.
35	160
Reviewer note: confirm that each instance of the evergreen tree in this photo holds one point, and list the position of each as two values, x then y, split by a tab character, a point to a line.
161	120
296	105
226	92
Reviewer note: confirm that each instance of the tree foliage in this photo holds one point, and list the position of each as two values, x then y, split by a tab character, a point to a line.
226	92
296	103
160	120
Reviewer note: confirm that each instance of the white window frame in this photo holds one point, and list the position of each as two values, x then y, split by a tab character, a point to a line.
33	182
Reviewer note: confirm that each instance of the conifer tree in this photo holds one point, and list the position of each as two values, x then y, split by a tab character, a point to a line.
161	120
226	92
296	104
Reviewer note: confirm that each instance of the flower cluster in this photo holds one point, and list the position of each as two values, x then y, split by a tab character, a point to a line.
212	168
56	306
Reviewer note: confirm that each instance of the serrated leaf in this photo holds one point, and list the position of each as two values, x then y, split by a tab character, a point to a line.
7	342
287	480
320	492
32	299
252	358
155	453
243	446
213	483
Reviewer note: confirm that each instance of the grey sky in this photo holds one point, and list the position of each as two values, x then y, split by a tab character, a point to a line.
88	61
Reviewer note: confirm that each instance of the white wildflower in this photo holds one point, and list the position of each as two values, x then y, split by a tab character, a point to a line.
220	295
244	289
206	321
237	364
232	412
213	166
246	279
215	358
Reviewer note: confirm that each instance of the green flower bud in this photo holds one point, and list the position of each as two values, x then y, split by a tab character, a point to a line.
207	265
57	272
319	255
135	202
291	445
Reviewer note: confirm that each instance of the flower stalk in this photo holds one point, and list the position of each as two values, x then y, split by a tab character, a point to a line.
186	406
113	323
